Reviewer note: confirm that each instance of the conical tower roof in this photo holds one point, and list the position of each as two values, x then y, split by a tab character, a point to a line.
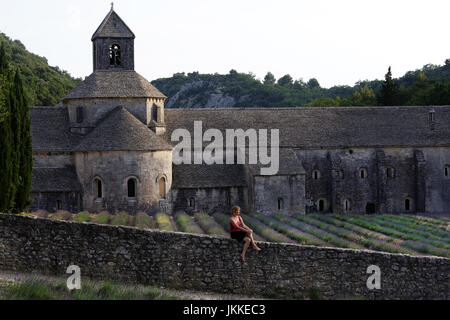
113	27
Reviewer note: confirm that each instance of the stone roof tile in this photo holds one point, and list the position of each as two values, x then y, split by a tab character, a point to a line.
50	130
331	127
208	176
54	180
121	131
114	84
113	27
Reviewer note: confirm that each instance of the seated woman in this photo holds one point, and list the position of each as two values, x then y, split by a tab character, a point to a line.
240	231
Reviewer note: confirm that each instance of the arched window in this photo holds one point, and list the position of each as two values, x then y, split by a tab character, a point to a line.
280	203
363	173
408	204
321	205
447	171
316	174
131	184
162	187
114	55
192	203
390	172
346	205
341	174
98	188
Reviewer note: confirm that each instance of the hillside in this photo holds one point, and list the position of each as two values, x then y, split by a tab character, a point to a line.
428	85
47	85
44	85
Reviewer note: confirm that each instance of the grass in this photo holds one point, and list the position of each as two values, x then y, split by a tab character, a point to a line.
187	223
45	290
209	225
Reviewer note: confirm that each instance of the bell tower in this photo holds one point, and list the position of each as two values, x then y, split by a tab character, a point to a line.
113	44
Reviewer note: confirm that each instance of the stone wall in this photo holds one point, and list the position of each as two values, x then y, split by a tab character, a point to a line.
279	194
210	263
114	168
208	199
417	175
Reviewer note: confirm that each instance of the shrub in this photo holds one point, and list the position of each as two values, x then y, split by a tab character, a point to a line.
187	224
288	231
264	230
143	220
120	219
62	215
163	221
41	213
82	217
209	225
102	218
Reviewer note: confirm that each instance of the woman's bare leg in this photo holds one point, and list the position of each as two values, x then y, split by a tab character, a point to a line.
244	250
250	235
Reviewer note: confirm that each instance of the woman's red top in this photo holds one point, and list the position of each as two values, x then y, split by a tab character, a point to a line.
234	229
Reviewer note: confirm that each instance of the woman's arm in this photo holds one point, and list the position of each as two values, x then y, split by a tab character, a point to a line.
247	228
236	226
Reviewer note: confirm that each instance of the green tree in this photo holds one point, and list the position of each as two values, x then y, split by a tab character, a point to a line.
285	81
24	156
325	102
3	61
313	83
6	138
389	91
269	79
363	97
15	142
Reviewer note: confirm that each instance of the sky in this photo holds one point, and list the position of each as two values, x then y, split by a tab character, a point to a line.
336	42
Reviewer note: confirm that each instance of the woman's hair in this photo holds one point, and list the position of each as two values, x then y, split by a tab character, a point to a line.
235	209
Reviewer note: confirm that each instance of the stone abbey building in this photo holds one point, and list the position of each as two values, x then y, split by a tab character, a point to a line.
107	146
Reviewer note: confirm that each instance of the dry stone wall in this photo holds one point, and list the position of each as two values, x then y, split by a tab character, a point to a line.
210	263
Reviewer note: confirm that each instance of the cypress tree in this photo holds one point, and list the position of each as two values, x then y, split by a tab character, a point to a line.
389	91
15	127
6	138
16	160
24	147
3	61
